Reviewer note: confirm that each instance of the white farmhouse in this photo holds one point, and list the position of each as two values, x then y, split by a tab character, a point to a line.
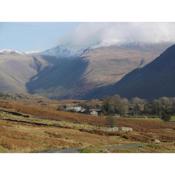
95	113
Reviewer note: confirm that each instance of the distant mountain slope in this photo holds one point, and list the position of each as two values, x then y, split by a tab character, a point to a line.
67	73
109	64
16	69
63	79
75	76
155	80
62	52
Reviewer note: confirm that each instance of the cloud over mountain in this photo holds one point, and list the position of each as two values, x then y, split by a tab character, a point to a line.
106	34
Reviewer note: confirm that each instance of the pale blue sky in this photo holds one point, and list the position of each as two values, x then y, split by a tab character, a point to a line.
32	36
40	36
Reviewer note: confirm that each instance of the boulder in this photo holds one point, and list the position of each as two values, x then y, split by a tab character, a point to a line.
126	129
157	141
117	129
113	129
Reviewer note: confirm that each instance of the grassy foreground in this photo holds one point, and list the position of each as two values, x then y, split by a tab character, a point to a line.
21	130
18	134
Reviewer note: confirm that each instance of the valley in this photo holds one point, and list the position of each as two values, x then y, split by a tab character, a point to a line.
91	98
72	76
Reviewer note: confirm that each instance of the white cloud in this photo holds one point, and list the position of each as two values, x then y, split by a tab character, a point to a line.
88	34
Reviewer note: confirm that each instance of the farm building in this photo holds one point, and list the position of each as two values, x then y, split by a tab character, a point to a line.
74	108
95	112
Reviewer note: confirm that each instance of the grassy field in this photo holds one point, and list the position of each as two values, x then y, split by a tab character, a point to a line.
36	135
173	118
27	127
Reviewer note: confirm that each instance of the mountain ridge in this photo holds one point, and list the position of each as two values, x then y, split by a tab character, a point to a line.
76	75
152	81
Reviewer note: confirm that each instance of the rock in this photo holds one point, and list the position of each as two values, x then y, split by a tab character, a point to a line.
106	151
157	141
114	129
126	129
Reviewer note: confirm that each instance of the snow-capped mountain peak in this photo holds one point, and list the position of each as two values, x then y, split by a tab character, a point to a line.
63	52
11	51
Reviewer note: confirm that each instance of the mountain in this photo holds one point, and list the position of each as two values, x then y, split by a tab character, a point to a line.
154	80
106	65
75	75
64	72
62	52
11	51
61	79
16	69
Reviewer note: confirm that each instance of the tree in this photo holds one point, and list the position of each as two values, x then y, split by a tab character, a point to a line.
156	107
115	105
137	106
149	108
165	108
165	116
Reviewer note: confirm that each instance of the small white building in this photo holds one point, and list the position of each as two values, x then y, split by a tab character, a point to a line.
75	108
95	113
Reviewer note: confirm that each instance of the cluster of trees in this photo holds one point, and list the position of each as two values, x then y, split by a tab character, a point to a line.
163	107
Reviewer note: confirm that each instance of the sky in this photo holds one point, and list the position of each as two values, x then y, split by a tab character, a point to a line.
41	36
32	36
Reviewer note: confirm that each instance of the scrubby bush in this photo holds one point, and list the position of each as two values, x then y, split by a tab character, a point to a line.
165	116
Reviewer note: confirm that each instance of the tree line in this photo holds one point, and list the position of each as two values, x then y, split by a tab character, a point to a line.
163	107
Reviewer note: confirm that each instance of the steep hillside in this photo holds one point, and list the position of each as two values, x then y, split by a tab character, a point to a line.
155	80
16	69
64	73
63	79
109	64
73	77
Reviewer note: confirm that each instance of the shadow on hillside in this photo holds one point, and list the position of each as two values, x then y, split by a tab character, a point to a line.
60	77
